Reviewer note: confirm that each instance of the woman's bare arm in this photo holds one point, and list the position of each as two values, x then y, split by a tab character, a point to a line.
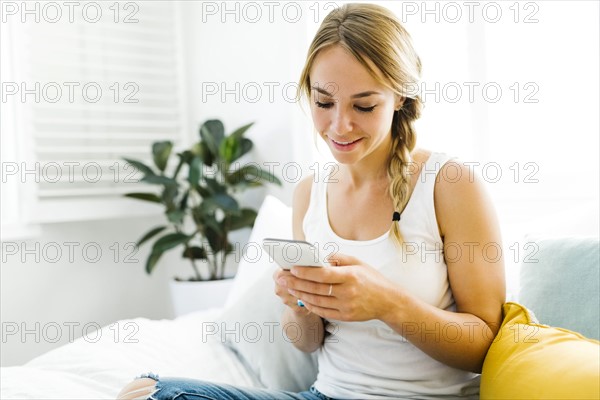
472	239
311	325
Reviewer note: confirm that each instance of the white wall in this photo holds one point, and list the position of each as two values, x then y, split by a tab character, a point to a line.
255	57
51	287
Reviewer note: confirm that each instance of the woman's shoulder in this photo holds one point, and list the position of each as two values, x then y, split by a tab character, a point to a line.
460	193
453	168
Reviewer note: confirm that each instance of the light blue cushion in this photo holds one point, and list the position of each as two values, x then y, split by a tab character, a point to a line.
560	283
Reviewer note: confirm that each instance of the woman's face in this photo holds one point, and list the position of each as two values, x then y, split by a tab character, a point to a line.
351	110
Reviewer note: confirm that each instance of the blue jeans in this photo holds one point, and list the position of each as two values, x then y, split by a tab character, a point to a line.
192	389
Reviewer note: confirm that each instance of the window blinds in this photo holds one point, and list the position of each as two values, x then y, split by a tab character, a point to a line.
95	92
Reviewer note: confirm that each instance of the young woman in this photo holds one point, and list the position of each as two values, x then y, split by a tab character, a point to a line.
414	299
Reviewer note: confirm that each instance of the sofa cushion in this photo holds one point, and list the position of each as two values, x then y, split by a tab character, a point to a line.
560	282
528	360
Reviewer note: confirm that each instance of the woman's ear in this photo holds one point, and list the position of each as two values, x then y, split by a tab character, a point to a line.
399	102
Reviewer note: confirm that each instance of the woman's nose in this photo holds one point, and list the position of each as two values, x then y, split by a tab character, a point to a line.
341	122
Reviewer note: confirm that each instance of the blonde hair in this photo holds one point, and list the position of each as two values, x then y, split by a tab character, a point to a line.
371	32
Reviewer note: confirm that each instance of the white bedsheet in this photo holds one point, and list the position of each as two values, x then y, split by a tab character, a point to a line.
98	370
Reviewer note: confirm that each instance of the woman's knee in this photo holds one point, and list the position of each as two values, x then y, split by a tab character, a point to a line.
140	388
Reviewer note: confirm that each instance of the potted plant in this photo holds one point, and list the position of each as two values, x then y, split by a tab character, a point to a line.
198	191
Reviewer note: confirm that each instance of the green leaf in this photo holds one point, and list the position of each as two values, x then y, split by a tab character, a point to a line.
176	216
204	153
198	215
205	210
195	252
150	234
140	166
203	192
215	239
239	132
239	182
194	173
184	157
187	155
169	241
207	219
244	147
245	219
210	222
152	260
161	152
184	200
252	174
144	196
212	133
224	201
235	145
214	186
228	149
243	185
169	195
159	180
244	174
269	177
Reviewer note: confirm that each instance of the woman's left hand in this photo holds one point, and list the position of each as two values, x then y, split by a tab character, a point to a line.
349	291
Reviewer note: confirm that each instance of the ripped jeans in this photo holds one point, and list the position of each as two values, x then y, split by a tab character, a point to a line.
192	389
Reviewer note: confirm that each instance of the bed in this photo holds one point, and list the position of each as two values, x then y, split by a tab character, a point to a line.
86	369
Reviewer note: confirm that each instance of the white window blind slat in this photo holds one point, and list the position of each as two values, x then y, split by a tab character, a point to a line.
59	122
160	37
147	136
73	193
63	71
99	150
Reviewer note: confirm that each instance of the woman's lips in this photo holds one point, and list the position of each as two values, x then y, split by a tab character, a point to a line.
345	146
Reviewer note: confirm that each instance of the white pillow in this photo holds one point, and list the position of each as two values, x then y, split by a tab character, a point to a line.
274	219
250	324
252	328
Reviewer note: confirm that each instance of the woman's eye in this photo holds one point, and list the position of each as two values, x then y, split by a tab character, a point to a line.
323	105
365	109
329	105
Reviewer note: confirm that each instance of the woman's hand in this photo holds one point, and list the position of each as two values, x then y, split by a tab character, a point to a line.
310	323
349	291
282	278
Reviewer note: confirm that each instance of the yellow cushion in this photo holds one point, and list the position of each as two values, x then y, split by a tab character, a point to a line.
528	360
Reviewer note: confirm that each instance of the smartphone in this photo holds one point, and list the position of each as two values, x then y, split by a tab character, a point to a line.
287	253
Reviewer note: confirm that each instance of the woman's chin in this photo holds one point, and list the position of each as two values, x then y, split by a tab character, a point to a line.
344	158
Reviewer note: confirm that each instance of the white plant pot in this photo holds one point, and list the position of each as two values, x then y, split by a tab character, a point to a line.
190	296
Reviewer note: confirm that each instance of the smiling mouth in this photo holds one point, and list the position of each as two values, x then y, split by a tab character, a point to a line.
344	143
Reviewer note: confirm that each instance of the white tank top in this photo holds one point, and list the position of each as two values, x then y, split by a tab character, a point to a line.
369	360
